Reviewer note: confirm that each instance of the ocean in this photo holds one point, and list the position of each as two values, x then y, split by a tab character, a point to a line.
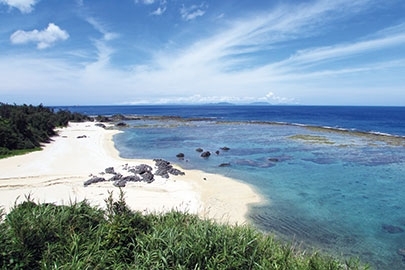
333	176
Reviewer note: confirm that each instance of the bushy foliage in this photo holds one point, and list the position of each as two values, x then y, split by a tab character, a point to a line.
27	126
46	236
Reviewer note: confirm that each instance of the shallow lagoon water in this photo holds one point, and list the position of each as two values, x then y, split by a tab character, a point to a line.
337	191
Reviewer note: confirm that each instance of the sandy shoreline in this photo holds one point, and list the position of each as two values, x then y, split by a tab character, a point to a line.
56	175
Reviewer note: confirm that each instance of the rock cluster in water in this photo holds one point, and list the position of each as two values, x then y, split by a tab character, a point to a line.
139	173
269	162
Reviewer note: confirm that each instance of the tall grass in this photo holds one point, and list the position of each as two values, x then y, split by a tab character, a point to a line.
80	236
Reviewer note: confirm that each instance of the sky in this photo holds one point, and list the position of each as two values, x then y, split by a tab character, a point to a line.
118	52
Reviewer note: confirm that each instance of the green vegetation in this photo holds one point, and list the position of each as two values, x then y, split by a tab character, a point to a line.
46	236
25	127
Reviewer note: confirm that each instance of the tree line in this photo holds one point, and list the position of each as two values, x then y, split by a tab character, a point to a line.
27	126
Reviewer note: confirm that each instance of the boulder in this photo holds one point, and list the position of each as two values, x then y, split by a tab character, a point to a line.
225	148
140	169
94	180
161	162
115	177
205	154
175	171
121	124
109	170
100	125
147	177
120	183
132	178
199	150
180	155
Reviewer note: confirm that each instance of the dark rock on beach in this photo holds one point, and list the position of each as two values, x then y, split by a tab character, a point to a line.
140	169
94	180
109	170
175	171
115	177
120	183
132	178
100	125
142	172
147	177
164	168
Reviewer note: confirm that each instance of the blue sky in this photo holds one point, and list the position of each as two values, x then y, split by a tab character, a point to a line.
341	52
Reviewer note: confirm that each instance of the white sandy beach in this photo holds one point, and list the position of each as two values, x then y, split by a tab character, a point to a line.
57	173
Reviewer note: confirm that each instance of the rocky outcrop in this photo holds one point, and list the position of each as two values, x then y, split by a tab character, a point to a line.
164	168
94	180
180	155
206	154
121	124
224	164
109	170
140	169
139	173
100	125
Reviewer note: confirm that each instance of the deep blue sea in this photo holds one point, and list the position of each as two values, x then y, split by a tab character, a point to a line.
334	177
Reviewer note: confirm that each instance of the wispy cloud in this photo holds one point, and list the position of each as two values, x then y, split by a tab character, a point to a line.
258	33
192	12
25	6
146	2
43	38
161	9
235	61
104	51
216	62
107	35
311	56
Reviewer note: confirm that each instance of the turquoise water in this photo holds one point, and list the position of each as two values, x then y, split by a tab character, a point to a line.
337	191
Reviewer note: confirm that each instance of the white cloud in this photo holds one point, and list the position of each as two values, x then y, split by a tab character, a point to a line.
102	29
204	99
25	6
161	9
212	70
307	59
145	2
44	38
192	12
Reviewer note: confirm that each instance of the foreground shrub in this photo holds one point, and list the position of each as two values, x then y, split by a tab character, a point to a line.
79	236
